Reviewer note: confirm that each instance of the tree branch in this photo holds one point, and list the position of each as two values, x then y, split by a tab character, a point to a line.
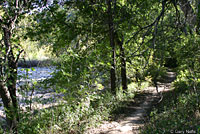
17	58
1	18
150	25
16	4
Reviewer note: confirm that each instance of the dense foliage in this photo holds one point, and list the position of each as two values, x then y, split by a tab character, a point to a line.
105	51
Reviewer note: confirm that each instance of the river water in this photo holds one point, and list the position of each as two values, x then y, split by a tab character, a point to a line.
40	97
35	74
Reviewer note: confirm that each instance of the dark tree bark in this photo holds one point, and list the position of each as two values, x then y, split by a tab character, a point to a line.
8	61
8	84
188	12
112	44
123	67
8	106
191	17
123	63
198	17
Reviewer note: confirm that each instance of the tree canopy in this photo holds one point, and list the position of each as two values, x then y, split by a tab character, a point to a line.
99	42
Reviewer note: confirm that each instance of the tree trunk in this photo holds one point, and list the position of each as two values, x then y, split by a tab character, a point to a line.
188	12
198	17
8	82
112	44
10	110
123	63
8	66
123	68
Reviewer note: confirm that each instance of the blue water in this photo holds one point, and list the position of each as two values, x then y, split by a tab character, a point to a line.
35	74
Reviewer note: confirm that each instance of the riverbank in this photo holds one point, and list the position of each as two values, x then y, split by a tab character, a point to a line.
37	63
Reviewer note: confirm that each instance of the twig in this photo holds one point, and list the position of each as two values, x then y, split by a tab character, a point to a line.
17	59
148	27
161	95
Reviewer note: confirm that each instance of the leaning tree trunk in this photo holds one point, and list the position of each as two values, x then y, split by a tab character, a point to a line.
12	9
8	81
11	116
112	44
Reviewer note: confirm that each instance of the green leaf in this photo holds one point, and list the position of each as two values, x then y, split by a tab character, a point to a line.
32	69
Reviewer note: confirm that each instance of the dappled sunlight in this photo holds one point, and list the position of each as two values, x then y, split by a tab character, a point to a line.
111	67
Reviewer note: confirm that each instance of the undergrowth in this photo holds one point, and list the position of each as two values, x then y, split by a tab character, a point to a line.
70	118
179	112
73	117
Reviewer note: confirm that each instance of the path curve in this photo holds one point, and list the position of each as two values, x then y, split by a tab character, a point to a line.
136	119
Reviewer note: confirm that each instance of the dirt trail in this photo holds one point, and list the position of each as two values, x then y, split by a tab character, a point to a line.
135	113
